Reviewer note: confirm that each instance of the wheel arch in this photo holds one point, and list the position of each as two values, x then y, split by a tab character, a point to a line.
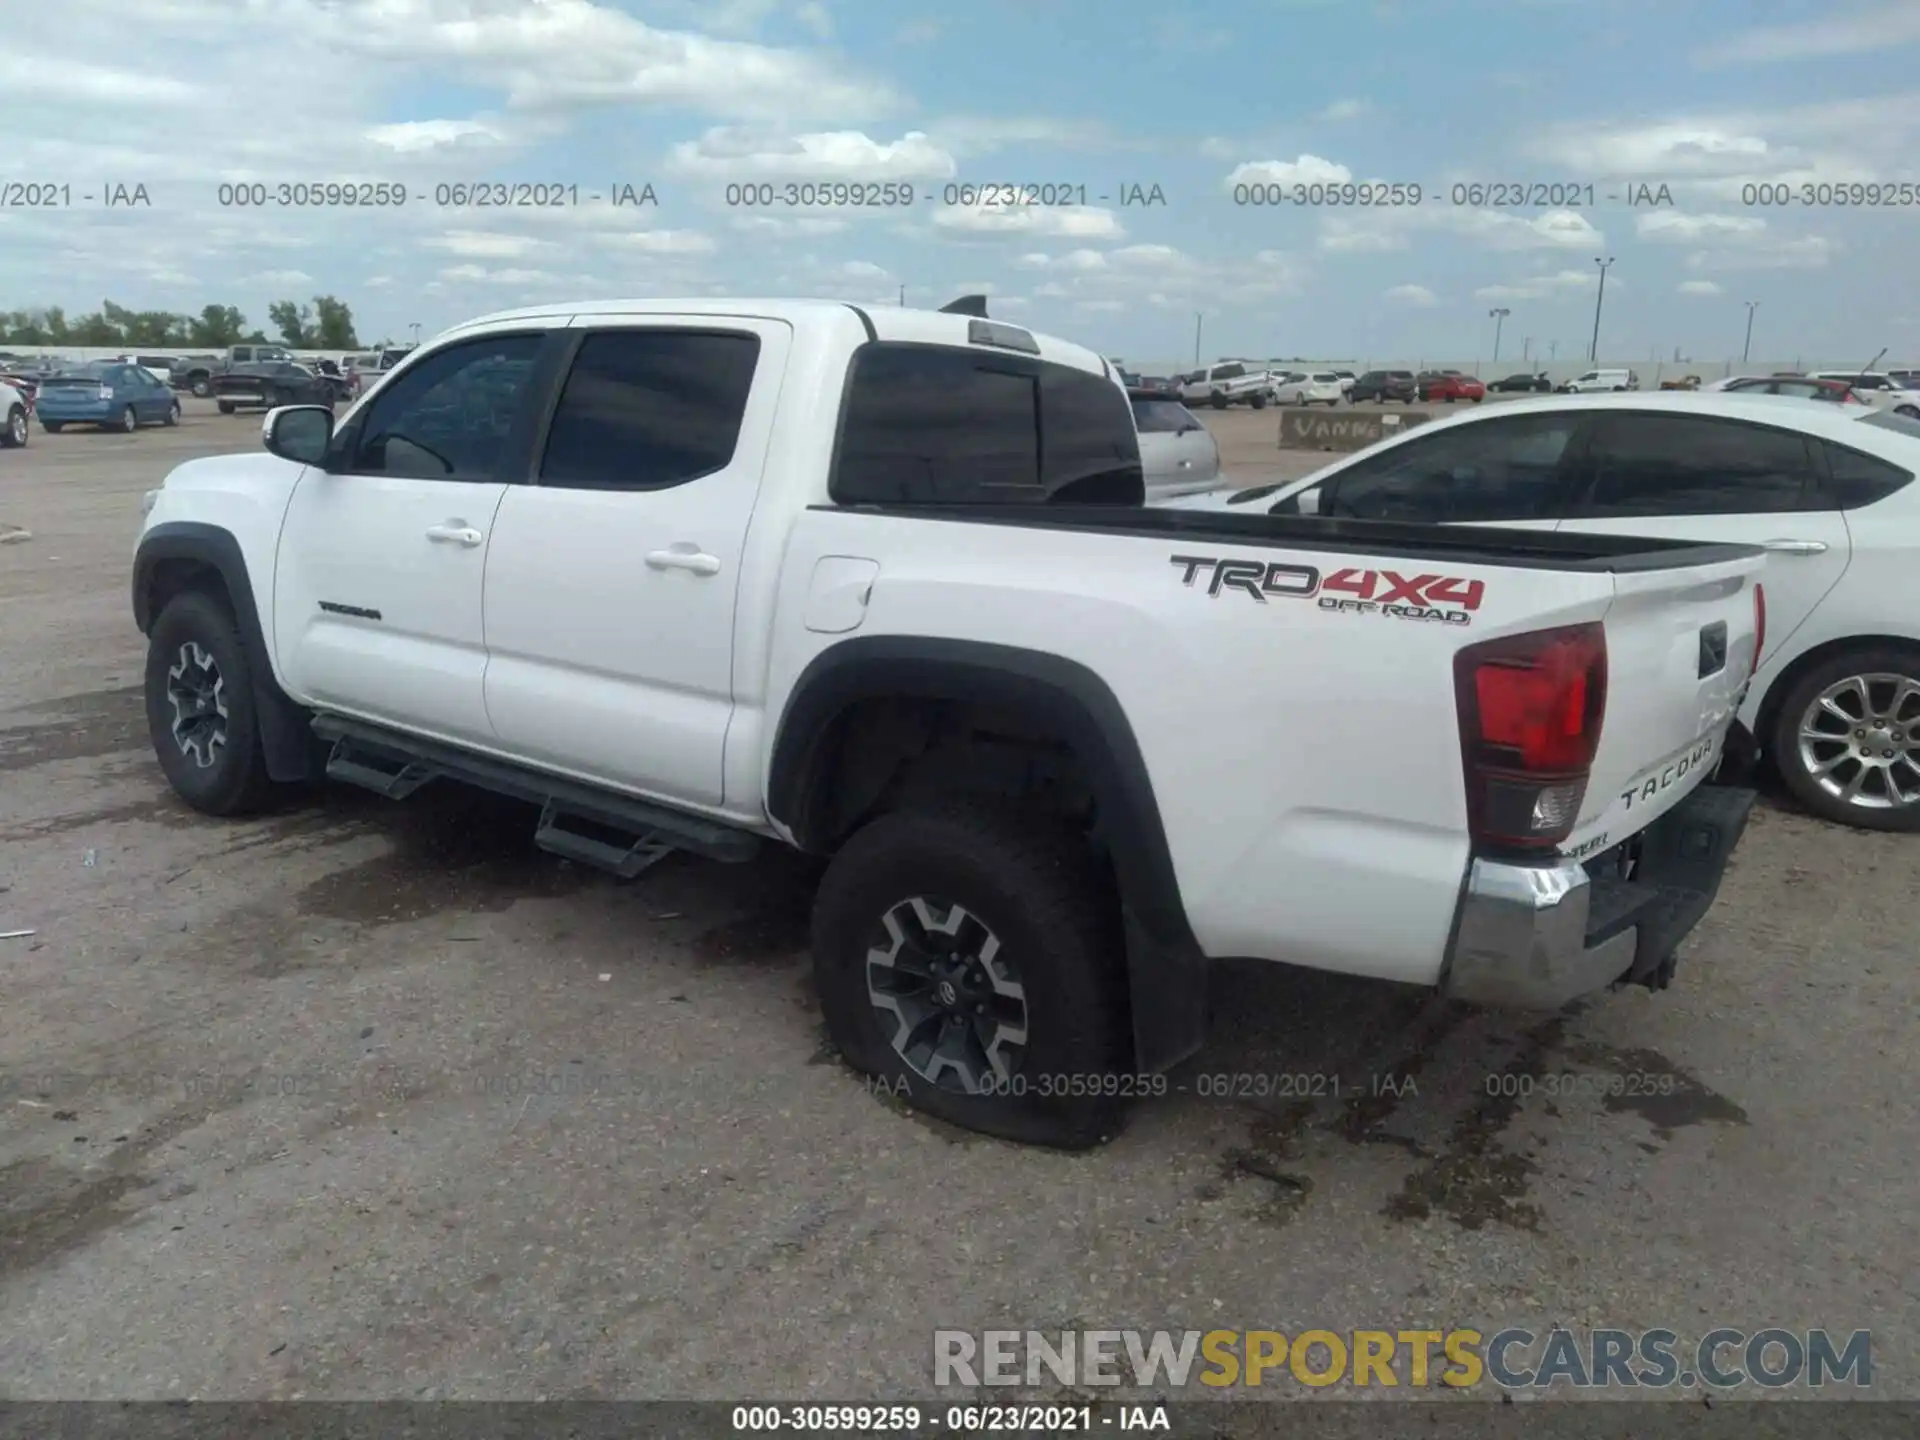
1063	699
182	555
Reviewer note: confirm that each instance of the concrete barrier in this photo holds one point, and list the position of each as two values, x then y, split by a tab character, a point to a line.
1344	429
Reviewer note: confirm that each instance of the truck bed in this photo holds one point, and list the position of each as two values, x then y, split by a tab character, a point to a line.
1465	544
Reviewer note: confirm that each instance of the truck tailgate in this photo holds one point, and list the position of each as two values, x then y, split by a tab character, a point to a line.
1680	651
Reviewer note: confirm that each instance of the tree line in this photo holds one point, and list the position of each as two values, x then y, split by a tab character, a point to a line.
325	324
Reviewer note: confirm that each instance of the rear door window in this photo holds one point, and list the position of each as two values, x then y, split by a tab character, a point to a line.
1666	464
1484	473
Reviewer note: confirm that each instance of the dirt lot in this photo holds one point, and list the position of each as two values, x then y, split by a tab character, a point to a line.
378	1100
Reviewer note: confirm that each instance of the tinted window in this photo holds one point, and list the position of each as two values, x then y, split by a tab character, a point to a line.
931	424
649	409
1855	479
1373	377
1161	417
449	416
1228	372
1475	474
1683	465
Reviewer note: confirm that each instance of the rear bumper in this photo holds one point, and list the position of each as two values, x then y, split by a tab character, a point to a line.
1536	937
93	412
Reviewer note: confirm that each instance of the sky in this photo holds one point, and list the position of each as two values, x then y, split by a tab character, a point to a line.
1145	130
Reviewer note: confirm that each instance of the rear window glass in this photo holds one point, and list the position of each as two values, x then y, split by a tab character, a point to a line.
1855	479
1161	417
932	424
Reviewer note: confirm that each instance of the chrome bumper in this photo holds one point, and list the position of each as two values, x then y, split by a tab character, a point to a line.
1522	938
1535	937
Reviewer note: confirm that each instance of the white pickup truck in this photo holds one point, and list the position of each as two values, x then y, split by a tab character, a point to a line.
1231	382
701	575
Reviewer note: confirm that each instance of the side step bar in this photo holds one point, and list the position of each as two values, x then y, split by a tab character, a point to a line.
593	827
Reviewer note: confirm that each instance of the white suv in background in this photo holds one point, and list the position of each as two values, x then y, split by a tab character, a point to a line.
1880	390
1598	380
1322	387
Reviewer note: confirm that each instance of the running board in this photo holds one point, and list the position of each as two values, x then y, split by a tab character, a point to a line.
578	822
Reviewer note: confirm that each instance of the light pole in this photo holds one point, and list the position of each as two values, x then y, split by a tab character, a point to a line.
1196	339
1553	349
1526	351
415	327
1499	318
1747	349
903	297
1593	356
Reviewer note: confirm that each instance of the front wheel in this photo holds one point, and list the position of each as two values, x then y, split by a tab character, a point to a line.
1912	412
1259	402
15	434
200	711
129	422
1846	739
970	964
173	414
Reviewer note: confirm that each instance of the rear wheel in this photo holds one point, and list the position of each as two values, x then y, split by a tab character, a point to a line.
226	407
129	421
1259	402
1912	412
15	435
200	711
1219	400
1846	739
173	414
969	961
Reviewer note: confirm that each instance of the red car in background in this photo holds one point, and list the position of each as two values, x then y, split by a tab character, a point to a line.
1450	385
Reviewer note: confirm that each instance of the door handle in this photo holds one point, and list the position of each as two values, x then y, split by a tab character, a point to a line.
698	561
452	533
1794	547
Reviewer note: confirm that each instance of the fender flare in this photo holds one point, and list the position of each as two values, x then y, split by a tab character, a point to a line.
286	734
1165	967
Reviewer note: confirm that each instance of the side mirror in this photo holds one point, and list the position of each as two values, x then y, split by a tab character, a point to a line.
299	433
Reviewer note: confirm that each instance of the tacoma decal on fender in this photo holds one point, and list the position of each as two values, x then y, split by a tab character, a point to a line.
1446	599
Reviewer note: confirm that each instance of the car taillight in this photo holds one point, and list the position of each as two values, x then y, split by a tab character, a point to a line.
1759	625
1530	708
105	392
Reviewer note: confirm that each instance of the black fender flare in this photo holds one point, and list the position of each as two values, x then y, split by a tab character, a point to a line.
1166	969
286	734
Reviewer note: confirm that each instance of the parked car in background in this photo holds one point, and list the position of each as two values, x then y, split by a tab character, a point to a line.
1161	385
1231	382
1448	386
1383	385
1878	389
1347	377
198	373
278	382
159	366
1685	382
1178	455
107	393
1827	489
1522	383
1804	387
1319	387
16	409
1596	381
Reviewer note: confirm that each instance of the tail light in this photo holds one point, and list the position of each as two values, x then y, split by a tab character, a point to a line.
105	392
1759	625
1530	709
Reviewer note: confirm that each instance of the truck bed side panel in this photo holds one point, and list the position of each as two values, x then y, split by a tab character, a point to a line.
1305	759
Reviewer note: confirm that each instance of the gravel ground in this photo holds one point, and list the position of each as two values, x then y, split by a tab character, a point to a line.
269	1123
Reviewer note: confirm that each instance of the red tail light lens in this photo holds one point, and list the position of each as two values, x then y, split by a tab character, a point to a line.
1530	710
1759	624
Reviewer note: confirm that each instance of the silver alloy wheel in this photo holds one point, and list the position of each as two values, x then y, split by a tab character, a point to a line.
955	1009
197	692
17	428
129	422
1860	741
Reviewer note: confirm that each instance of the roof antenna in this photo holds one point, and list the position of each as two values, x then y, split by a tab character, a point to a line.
974	305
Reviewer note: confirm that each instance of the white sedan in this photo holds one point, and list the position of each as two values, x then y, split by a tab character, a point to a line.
1322	387
1827	489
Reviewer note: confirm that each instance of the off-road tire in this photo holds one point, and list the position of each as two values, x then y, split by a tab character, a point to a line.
1039	892
236	783
1783	739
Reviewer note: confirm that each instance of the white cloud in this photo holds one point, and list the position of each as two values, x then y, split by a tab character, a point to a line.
1307	170
1700	287
814	16
1542	287
484	245
1389	229
480	275
1079	222
1410	295
657	242
864	270
1343	110
24	76
280	277
418	137
1679	228
1810	252
1864	30
737	154
782	226
985	134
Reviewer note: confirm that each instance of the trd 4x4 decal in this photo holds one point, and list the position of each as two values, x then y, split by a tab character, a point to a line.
1446	599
